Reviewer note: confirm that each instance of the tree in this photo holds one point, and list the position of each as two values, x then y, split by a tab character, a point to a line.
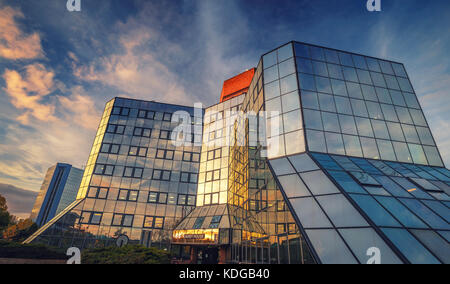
20	231
5	217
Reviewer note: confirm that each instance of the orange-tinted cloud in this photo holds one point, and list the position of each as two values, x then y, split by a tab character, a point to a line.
27	91
81	109
14	44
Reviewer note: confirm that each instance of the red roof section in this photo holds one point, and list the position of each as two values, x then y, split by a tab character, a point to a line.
237	85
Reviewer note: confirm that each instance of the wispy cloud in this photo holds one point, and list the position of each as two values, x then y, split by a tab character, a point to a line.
14	43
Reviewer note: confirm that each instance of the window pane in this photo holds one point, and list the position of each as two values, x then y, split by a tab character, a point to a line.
354	90
395	131
316	141
377	213
359	108
343	105
402	152
433	156
330	122
293	186
323	85
380	129
341	212
417	154
319	183
313	119
406	217
339	88
386	150
327	103
426	214
369	148
360	240
310	100
434	243
364	127
352	146
309	213
288	84
330	247
346	182
335	144
410	247
348	125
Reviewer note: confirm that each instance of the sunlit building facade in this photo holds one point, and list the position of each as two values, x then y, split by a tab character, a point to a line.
326	157
59	189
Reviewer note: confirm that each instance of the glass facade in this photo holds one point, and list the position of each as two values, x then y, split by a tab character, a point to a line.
59	189
326	158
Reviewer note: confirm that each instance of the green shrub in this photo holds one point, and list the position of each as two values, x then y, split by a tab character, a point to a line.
131	254
29	251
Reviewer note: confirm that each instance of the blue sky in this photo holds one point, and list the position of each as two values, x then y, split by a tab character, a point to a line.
57	69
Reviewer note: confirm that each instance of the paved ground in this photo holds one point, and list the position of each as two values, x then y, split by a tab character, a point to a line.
30	261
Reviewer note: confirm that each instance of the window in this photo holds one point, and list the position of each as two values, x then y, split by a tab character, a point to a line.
123	111
198	223
93	218
138	151
191	157
106	170
188	177
157	197
186	200
148	114
152	222
167	117
215	222
110	148
142	132
213	175
122	220
161	175
98	192
128	195
214	154
164	135
165	154
131	172
115	129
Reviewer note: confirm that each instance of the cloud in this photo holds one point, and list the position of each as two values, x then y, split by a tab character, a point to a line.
27	91
19	201
80	109
14	44
135	71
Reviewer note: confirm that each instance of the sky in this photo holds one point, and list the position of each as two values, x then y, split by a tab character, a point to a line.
59	68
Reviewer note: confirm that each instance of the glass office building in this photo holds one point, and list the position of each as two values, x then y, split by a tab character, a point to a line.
59	189
329	159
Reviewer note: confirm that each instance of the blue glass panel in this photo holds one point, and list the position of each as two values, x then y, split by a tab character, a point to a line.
346	163
376	190
412	188
434	243
426	214
385	168
346	182
301	50
392	187
399	168
406	217
439	208
445	235
410	247
375	212
364	178
366	166
326	161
